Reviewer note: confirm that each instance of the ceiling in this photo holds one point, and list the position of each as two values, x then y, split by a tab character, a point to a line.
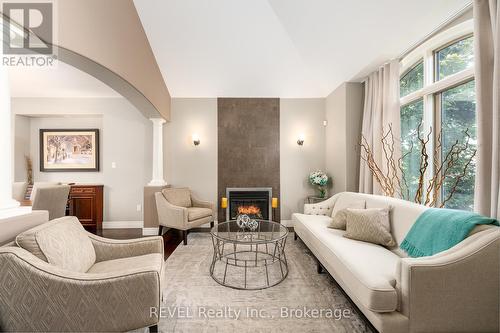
59	81
281	48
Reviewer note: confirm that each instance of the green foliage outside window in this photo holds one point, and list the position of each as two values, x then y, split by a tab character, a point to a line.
458	114
413	80
411	117
455	58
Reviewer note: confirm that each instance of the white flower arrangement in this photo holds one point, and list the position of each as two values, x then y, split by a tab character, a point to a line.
320	179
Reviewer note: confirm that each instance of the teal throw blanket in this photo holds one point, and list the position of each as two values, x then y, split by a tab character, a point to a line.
437	230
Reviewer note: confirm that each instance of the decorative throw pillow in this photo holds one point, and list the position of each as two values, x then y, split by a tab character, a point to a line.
339	220
339	213
370	225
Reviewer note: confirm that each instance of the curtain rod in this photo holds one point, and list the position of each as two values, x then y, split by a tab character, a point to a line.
459	13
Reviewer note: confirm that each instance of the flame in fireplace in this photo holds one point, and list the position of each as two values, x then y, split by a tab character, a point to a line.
249	210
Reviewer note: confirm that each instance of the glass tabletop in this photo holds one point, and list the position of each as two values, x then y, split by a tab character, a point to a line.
260	231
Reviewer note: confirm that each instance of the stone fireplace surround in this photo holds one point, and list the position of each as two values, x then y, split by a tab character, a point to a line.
248	148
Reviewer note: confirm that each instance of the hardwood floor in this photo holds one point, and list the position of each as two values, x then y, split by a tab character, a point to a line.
171	238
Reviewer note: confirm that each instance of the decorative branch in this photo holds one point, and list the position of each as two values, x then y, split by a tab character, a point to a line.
392	178
29	169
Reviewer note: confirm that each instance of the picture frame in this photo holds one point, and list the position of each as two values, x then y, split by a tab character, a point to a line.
69	150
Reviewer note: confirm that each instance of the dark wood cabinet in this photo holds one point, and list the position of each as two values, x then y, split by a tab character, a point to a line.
86	203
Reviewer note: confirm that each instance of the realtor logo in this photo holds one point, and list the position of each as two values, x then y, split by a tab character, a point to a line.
29	28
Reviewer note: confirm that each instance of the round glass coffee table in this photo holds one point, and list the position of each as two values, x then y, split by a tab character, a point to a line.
249	258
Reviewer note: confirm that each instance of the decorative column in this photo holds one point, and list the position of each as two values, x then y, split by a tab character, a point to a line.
6	141
157	152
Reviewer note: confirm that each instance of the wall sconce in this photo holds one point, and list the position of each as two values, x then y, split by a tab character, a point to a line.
300	140
196	139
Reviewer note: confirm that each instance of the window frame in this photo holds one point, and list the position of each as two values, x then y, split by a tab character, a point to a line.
433	88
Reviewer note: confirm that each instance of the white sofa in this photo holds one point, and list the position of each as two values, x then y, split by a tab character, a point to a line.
457	290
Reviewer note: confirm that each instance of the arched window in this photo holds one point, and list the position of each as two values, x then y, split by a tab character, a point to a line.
437	91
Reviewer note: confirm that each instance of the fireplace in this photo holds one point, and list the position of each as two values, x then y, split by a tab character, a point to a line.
254	202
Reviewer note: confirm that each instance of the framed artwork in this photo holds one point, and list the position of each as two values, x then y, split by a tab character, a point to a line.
63	150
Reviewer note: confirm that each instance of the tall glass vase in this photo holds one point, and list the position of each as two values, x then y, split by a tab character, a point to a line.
321	191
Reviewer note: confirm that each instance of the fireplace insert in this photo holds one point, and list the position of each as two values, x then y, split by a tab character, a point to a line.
253	202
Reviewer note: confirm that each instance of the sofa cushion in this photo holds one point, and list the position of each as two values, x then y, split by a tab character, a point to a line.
151	262
344	202
370	225
339	220
196	213
403	213
61	242
178	196
366	271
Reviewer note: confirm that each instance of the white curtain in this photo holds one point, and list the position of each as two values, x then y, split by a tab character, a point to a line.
487	64
381	108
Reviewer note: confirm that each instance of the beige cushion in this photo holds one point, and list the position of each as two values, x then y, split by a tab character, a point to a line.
62	242
178	196
151	262
370	225
403	213
196	213
339	213
346	202
366	271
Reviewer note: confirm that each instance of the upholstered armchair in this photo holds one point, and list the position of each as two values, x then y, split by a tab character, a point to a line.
60	278
179	209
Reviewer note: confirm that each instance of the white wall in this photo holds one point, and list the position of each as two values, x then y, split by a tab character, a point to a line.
188	165
125	138
300	116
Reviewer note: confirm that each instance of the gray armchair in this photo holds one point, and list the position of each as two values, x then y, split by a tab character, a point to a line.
179	209
51	198
61	278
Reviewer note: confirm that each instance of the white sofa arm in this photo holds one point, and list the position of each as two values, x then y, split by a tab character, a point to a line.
170	215
321	208
456	290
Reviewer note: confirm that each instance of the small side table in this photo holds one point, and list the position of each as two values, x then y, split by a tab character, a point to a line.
313	199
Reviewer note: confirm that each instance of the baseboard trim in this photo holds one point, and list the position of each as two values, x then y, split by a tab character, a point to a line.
122	224
150	231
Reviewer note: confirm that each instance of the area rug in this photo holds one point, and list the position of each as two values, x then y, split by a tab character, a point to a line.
304	302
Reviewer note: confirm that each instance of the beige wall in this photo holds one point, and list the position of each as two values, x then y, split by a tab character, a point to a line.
186	164
300	116
125	138
344	109
22	146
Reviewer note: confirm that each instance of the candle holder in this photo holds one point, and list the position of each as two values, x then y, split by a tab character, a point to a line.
223	205
274	205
